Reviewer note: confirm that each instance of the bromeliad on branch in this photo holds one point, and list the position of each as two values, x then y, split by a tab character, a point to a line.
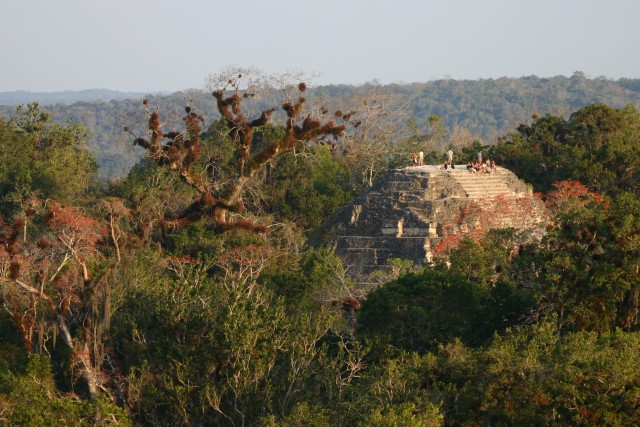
180	150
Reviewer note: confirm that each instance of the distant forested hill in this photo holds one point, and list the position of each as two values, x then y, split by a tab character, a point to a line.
488	107
20	97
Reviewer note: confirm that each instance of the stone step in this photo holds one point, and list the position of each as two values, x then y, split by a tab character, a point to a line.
479	181
486	187
478	185
493	190
484	194
482	183
477	175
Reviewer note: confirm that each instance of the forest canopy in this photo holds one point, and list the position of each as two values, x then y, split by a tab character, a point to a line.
486	108
187	293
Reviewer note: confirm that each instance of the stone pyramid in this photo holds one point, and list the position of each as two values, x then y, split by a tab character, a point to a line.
418	212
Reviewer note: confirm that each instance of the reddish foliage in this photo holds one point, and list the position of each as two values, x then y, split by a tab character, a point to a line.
50	268
571	195
447	244
74	228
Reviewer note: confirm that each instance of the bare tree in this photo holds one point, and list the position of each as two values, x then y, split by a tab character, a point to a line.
461	137
222	202
377	117
115	211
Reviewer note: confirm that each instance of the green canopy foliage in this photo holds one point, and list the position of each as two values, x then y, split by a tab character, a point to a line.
29	398
597	145
41	158
468	301
193	327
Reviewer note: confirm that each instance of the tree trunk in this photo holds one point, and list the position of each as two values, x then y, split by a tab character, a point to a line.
113	237
88	372
83	358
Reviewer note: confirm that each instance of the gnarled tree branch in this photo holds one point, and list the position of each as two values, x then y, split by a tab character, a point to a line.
182	149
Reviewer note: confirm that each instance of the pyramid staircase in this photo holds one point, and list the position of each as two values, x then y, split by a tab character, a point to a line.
485	185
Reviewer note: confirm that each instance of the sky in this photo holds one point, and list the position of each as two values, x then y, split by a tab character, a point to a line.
170	45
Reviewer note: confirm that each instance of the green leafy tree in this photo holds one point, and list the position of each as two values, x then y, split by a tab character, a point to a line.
306	187
584	270
204	341
538	376
470	297
419	312
597	146
302	415
41	158
529	375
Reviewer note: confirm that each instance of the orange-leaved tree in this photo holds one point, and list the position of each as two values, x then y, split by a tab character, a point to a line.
47	287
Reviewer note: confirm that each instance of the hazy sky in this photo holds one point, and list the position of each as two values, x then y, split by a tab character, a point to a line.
141	45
